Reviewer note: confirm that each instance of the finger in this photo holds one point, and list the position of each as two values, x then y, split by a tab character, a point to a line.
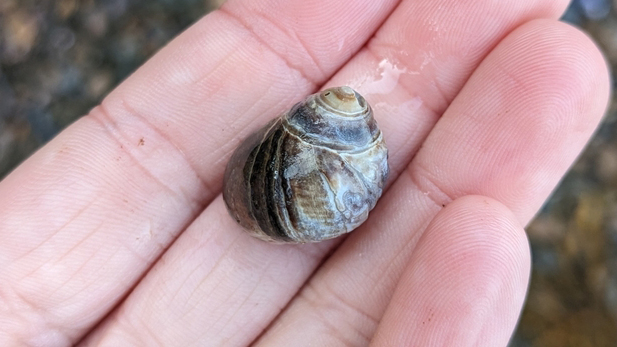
421	58
85	216
465	283
264	277
511	134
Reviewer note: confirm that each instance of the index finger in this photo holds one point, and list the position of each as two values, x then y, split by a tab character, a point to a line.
83	218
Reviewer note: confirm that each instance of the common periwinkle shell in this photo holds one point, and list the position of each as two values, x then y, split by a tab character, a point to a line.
312	174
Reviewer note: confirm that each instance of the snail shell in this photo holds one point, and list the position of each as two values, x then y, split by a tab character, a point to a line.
312	174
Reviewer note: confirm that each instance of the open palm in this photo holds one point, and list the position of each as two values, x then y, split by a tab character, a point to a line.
115	233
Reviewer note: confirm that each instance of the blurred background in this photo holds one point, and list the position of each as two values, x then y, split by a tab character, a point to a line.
58	59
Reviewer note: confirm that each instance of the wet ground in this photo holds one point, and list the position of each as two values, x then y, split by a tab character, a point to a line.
59	58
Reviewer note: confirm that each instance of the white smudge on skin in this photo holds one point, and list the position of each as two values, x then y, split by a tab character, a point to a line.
341	44
384	83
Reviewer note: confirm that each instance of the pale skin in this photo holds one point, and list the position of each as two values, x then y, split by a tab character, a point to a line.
115	232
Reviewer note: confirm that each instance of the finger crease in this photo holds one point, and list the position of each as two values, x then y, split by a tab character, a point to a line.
327	297
102	116
241	22
424	182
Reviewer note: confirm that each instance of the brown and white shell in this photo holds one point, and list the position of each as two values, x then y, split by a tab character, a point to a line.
312	174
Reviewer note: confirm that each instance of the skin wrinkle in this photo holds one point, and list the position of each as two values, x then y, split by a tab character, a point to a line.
421	178
142	326
407	247
311	296
310	254
518	84
313	83
315	252
178	288
203	283
217	308
314	60
347	309
47	316
49	326
228	147
339	299
336	333
104	118
79	243
85	287
51	235
204	79
247	297
321	42
51	260
294	37
13	226
78	330
324	318
93	280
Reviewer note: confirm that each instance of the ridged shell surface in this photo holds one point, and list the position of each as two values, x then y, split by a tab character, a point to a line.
312	174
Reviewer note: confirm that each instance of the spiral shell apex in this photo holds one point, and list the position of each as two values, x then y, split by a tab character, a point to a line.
312	174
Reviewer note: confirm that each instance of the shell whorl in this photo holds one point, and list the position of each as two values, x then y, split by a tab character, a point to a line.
337	118
312	174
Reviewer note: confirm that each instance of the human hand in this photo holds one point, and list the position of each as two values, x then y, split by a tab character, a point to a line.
483	105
